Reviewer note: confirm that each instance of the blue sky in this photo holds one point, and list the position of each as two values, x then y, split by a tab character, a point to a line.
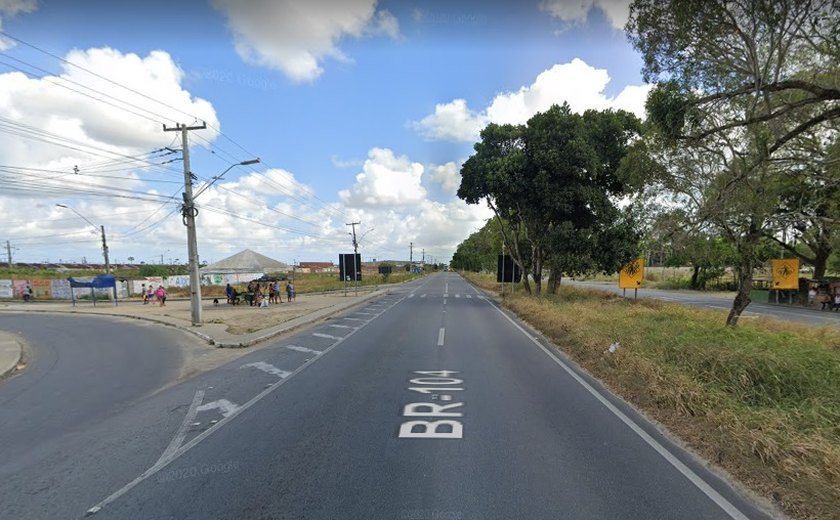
359	110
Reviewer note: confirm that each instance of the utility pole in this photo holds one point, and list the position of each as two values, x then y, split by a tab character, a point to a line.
188	212
105	250
411	256
9	252
423	261
356	268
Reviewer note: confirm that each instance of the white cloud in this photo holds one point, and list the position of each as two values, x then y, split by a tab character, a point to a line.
447	175
10	8
576	83
295	37
386	181
345	163
45	106
576	11
452	121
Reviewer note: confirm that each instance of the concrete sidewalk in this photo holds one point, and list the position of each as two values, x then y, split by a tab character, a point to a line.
224	325
11	351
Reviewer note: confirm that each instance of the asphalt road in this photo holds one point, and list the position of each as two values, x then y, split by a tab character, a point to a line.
795	313
427	404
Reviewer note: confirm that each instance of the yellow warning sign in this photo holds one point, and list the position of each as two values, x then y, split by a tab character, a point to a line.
632	274
786	273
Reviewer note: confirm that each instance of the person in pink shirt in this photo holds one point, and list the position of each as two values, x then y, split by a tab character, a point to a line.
161	295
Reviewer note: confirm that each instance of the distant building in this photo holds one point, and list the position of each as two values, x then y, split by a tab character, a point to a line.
317	267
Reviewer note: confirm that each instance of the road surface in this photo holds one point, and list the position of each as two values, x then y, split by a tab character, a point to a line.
809	316
428	403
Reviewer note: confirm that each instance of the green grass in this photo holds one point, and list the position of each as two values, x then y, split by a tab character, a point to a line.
762	400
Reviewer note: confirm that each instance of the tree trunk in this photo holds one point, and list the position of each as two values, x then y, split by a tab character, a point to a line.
695	277
742	299
536	255
821	254
554	277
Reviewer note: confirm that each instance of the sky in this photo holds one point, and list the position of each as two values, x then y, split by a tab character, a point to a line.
359	111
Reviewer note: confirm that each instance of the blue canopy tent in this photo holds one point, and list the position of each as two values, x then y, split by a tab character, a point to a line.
93	282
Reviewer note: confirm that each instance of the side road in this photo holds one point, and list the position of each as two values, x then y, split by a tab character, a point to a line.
225	326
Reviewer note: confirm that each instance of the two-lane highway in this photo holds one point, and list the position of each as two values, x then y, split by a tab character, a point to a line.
429	403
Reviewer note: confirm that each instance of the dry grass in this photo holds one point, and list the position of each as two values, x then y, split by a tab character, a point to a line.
761	400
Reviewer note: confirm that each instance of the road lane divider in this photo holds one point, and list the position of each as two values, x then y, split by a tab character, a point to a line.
325	336
304	349
268	368
441	334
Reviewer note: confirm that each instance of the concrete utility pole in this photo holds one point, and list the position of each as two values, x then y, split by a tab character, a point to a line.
9	252
105	250
188	212
411	256
356	268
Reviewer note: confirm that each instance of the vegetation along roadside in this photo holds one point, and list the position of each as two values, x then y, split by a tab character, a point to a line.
761	401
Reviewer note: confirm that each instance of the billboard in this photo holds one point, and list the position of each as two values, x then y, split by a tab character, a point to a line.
506	270
350	267
786	273
632	275
385	269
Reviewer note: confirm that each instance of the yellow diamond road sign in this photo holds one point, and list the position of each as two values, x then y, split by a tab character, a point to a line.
786	273
632	274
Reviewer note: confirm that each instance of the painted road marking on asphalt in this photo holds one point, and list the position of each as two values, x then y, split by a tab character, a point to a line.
423	295
448	428
468	295
203	435
457	295
441	334
353	319
446	295
687	472
303	349
365	313
337	326
224	406
411	295
267	368
325	336
182	431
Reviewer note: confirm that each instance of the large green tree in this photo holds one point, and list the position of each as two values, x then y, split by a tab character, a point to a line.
553	185
739	82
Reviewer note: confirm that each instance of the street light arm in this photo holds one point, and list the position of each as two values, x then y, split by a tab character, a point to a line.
80	215
217	177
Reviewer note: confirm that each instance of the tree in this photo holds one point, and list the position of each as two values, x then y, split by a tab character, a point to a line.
707	55
739	81
553	177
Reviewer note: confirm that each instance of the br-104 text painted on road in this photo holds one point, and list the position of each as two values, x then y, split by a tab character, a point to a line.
438	422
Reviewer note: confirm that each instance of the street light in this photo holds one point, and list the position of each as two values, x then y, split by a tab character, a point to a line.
101	229
189	212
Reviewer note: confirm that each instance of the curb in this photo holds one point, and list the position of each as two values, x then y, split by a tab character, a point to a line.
243	343
11	353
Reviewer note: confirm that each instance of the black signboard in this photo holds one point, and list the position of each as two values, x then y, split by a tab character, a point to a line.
507	271
350	267
385	269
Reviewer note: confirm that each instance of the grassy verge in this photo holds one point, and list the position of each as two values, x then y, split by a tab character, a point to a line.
762	400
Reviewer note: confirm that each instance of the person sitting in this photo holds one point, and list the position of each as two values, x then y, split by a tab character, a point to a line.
234	297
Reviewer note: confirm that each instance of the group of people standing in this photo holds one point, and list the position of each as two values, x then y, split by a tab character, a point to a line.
151	294
824	298
261	294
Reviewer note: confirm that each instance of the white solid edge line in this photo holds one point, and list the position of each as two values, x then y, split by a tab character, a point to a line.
687	472
206	433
